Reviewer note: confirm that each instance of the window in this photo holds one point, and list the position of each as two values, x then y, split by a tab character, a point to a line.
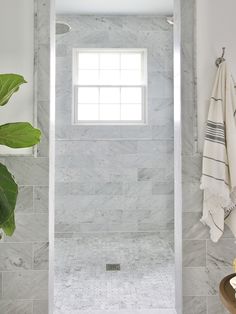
109	86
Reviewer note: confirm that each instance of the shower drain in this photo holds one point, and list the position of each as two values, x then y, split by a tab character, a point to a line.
112	267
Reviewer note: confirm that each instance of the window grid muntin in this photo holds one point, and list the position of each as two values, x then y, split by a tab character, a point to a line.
143	85
142	120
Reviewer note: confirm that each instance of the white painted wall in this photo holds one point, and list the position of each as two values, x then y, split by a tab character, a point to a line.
17	56
216	27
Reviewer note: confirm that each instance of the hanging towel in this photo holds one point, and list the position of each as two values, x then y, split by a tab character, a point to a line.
218	179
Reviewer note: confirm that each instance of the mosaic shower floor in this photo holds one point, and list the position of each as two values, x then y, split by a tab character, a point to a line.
144	284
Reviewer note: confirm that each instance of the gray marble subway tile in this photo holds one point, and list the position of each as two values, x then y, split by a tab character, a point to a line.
163	160
124	227
194	253
160	203
29	170
160	84
188	143
160	111
88	202
193	229
16	307
163	132
188	72
86	132
43	125
90	188
147	174
192	197
43	21
66	228
30	228
40	306
40	255
24	202
222	253
188	127
215	306
137	188
215	275
63	235
156	146
152	226
163	188
195	305
61	50
192	168
0	285
43	72
195	281
94	227
35	285
136	132
66	173
122	147
41	198
76	147
15	256
120	174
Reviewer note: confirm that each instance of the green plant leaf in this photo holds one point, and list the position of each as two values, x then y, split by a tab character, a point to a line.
8	196
19	135
9	84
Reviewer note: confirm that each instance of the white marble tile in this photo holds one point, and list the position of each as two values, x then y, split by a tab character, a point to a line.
40	306
163	188
40	255
194	253
82	283
43	124
41	198
215	275
43	72
89	188
192	197
29	170
24	202
194	305
221	254
193	229
16	306
195	281
156	146
34	283
15	256
43	21
30	228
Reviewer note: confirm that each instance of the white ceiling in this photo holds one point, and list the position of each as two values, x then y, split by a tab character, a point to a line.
115	7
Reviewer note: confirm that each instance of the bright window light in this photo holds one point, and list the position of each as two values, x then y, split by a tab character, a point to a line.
110	86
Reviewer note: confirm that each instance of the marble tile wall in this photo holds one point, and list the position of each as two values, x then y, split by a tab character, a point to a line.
204	263
24	257
116	178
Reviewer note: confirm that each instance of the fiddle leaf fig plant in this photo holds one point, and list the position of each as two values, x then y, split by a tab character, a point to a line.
14	135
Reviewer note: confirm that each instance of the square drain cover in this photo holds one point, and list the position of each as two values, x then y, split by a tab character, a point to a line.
112	267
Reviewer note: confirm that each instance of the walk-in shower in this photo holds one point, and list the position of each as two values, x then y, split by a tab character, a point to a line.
114	210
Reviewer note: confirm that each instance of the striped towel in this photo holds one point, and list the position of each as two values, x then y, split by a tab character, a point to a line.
219	157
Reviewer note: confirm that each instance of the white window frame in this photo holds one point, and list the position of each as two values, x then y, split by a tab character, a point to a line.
75	120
